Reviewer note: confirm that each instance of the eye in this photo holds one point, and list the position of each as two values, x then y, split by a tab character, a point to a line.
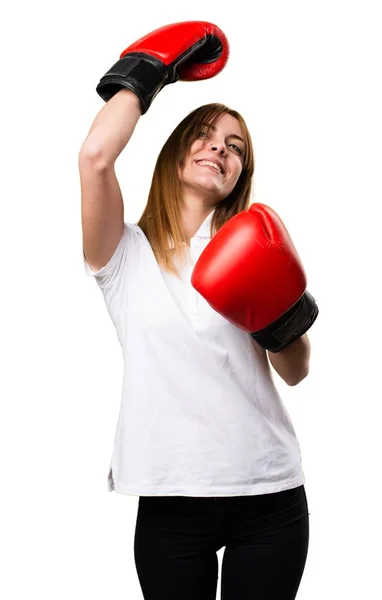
237	148
202	133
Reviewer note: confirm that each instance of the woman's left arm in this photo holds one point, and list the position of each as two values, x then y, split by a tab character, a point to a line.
292	363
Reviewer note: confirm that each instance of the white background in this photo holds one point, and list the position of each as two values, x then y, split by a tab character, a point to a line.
306	77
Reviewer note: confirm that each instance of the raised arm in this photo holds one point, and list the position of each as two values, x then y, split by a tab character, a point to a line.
189	50
102	207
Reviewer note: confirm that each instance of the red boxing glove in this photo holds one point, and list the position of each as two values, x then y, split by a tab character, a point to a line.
188	51
251	274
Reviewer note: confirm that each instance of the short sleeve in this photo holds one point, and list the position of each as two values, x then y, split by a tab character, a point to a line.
114	269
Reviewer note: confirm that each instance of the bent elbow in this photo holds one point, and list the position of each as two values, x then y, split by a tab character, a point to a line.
297	380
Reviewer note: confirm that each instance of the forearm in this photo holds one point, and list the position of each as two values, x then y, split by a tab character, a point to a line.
292	364
112	128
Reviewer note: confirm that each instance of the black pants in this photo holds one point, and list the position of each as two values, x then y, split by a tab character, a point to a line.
266	541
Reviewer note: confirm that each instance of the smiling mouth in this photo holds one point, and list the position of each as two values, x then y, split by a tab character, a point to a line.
216	170
211	168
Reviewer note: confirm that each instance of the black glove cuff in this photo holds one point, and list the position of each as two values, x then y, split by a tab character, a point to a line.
141	73
290	326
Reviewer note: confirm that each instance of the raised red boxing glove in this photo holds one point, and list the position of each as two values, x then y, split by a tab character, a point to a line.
189	51
251	274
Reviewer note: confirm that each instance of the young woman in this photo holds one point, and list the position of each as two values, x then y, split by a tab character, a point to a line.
203	437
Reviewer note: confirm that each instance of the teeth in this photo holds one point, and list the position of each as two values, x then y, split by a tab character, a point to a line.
209	164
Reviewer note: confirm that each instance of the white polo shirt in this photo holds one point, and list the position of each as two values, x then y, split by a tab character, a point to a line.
200	414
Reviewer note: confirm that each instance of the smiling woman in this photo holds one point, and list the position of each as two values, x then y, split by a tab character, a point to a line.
202	434
214	151
183	192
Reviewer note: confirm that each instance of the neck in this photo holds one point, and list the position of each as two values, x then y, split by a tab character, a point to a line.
192	220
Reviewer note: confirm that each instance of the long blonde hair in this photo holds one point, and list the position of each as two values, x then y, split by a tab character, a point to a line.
160	221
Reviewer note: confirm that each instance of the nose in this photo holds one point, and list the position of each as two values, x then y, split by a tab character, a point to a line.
219	147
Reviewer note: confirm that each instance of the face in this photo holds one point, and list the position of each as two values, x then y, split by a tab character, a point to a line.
222	145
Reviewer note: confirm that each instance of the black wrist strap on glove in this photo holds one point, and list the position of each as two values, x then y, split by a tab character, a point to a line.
290	326
141	73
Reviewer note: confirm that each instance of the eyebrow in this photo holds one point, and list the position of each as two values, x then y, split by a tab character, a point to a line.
231	135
